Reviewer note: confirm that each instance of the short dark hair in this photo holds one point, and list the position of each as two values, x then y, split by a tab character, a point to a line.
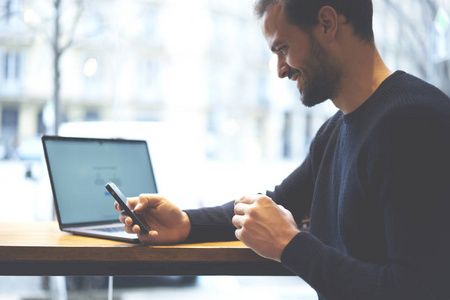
303	13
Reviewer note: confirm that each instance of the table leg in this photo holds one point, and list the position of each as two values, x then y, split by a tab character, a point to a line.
110	287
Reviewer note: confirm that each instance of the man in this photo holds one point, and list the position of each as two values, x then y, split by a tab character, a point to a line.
375	181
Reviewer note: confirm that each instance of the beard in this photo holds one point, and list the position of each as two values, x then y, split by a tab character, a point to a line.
321	76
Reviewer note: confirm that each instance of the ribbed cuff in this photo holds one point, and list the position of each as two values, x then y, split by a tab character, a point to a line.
302	254
203	229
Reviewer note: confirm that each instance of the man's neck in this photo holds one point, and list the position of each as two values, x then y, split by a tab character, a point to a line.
363	72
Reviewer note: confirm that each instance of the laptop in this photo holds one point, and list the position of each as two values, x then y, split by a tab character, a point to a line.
79	168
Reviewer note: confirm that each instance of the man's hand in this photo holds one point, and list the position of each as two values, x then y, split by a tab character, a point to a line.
168	224
263	225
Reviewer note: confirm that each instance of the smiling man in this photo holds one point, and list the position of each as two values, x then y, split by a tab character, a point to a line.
328	57
301	58
374	184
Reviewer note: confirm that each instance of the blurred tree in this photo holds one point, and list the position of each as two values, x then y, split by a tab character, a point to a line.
41	18
59	47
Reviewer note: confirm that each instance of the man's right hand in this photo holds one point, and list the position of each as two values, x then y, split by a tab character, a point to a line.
168	223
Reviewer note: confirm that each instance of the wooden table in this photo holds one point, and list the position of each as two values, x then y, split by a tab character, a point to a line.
41	249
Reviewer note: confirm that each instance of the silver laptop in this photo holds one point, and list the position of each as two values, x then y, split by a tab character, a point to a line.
79	168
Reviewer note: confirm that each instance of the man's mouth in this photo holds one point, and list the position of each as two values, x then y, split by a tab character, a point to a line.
293	74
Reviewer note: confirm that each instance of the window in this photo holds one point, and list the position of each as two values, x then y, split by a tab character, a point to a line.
202	67
12	66
9	125
10	12
150	79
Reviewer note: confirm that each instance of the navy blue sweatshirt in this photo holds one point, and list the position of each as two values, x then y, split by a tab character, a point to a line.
376	186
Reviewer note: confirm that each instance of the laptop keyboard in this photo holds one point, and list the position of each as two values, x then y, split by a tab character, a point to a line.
110	229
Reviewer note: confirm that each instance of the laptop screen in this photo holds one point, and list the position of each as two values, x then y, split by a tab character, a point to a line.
79	168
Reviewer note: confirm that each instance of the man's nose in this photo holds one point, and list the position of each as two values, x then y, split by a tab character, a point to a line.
283	68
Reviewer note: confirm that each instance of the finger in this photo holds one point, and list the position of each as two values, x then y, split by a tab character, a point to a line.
133	228
147	200
248	199
132	202
238	234
136	228
125	219
241	208
285	211
238	221
122	217
117	206
128	229
148	238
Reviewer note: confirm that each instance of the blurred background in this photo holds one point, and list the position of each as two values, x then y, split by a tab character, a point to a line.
193	78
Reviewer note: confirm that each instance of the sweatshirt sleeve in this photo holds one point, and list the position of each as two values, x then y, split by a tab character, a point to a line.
295	192
211	224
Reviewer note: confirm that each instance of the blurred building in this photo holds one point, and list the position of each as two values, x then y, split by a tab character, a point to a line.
202	63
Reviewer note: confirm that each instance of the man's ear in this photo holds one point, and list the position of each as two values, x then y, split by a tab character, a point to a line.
328	22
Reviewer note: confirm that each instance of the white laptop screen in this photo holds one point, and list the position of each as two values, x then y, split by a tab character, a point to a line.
80	168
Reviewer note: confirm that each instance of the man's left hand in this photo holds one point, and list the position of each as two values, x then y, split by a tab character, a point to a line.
263	225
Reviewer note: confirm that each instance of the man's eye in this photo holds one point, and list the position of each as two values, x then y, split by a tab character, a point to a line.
282	50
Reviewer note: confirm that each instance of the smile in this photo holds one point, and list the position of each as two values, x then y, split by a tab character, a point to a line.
295	77
293	73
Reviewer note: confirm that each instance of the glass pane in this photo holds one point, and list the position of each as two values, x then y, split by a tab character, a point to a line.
194	78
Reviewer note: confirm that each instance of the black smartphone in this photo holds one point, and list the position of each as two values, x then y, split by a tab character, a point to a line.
122	200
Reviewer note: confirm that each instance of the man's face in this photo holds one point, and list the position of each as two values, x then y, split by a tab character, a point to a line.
301	58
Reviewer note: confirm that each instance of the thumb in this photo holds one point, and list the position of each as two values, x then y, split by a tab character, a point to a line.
146	201
285	211
131	202
138	206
